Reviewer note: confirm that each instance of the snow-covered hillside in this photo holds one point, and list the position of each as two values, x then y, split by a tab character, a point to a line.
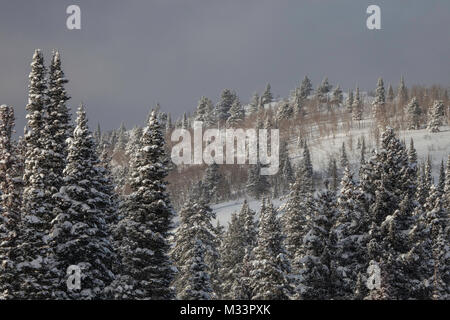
435	145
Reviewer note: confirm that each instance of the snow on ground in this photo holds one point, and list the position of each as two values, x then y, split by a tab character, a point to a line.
437	145
224	210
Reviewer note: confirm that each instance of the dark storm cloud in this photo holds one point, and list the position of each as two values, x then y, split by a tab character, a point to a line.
130	54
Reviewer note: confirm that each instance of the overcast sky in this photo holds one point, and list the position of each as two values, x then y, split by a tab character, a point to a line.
130	54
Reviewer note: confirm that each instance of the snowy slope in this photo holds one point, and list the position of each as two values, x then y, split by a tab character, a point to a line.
437	145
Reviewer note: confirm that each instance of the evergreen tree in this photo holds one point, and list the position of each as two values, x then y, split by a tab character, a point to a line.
204	112
232	255
357	106
285	111
349	102
414	113
447	185
57	124
298	103
337	95
236	114
349	230
122	138
298	209
223	107
254	103
37	207
195	223
257	184
306	169
344	159
146	269
214	184
436	115
80	234
270	267
380	100
441	181
305	88
267	96
322	90
196	278
424	185
11	196
316	277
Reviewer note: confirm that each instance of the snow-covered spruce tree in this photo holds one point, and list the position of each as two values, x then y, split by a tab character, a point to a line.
122	138
195	223
436	116
337	96
232	254
58	126
267	96
257	184
270	267
235	253
391	165
247	218
146	268
184	121
298	103
390	243
425	183
357	106
322	90
80	234
344	159
305	88
299	208
412	159
446	194
204	112
349	231
414	112
441	182
285	111
441	259
349	102
306	169
10	210
224	105
237	114
419	257
134	141
214	184
37	204
316	276
196	279
379	103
